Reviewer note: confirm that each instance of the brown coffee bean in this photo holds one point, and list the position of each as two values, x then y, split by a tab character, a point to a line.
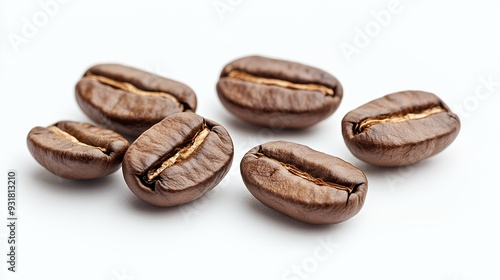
129	100
277	93
76	150
400	128
304	184
178	160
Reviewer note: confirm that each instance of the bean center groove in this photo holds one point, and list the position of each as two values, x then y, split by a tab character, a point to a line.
366	123
304	175
71	138
180	154
128	87
240	75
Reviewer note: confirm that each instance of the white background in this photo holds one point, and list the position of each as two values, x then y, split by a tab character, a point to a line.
435	220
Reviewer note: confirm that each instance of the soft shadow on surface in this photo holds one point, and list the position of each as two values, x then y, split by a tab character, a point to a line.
186	209
53	182
284	221
145	208
393	176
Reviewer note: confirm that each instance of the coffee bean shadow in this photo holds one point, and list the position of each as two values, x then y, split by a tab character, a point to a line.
391	178
286	222
234	124
149	209
129	138
59	184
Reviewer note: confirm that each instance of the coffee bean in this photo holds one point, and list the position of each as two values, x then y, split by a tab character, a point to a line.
76	150
129	100
304	184
400	128
178	160
277	93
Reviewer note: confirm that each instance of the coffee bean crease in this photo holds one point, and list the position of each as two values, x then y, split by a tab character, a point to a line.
366	123
236	74
180	155
128	87
304	175
67	136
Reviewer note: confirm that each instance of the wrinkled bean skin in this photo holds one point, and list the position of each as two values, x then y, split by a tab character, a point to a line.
293	95
203	153
129	100
399	129
305	184
93	152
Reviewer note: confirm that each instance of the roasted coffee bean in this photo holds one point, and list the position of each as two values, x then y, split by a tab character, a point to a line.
304	184
277	93
400	128
178	160
76	150
129	100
